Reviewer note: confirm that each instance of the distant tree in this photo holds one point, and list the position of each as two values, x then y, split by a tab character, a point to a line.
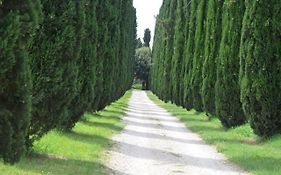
142	65
147	37
139	43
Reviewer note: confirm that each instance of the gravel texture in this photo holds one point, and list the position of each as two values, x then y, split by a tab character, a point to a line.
156	143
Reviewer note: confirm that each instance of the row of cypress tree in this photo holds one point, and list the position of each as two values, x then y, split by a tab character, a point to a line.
60	59
222	57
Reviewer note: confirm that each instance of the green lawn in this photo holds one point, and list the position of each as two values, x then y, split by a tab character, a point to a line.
79	152
137	86
240	145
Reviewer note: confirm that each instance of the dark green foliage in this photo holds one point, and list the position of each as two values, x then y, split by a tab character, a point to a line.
142	66
198	57
167	51
184	64
139	43
103	59
228	105
79	60
55	71
212	43
177	59
202	73
85	34
18	21
157	72
163	50
147	37
188	54
260	66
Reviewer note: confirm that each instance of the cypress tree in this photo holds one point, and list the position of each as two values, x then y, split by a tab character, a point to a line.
198	58
85	47
102	34
72	73
104	53
212	43
114	50
228	105
18	22
260	66
147	37
184	63
158	74
188	54
154	70
177	59
55	66
169	33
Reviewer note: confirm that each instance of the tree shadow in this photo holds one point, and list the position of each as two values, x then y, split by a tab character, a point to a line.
50	164
266	165
116	112
171	128
154	126
146	110
120	104
102	124
88	138
163	156
168	119
206	128
162	137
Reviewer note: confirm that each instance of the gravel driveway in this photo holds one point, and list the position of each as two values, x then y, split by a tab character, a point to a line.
156	143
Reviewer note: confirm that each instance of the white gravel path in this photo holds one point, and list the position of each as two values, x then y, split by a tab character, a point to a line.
156	143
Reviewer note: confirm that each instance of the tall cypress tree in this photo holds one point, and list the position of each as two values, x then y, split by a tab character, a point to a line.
154	70
177	58
260	66
198	58
18	22
228	105
212	43
85	50
169	46
55	66
185	62
147	37
105	52
158	73
188	55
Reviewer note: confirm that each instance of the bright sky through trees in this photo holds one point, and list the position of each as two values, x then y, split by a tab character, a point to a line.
146	12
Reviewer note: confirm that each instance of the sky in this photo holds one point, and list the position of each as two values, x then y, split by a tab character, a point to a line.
146	12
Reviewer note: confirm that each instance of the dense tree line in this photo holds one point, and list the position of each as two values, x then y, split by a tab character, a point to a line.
225	60
58	60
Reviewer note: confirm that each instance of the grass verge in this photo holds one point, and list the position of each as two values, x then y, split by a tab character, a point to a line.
137	86
78	152
240	145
